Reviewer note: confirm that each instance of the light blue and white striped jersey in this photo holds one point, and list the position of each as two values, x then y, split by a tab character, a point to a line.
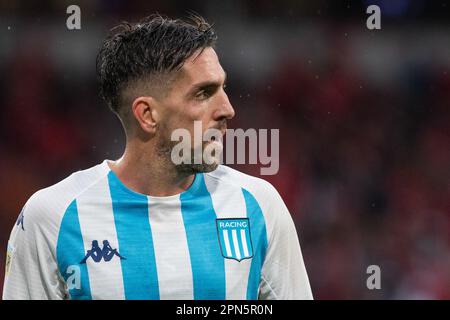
229	236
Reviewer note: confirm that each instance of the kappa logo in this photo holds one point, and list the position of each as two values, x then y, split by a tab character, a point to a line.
106	253
235	238
20	219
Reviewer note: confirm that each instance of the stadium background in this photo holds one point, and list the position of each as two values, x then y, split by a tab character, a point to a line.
363	117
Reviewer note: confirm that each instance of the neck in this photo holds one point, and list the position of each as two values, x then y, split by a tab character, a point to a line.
144	171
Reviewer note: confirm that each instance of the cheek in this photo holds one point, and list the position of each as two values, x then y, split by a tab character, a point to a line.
186	112
196	114
194	117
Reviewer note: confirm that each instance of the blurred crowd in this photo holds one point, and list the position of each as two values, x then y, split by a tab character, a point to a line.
364	120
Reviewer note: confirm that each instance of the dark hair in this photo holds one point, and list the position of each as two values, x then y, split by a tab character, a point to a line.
156	45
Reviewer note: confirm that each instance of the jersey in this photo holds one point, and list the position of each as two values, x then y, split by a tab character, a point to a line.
228	236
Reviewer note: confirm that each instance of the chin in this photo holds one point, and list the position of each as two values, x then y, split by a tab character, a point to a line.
206	167
197	168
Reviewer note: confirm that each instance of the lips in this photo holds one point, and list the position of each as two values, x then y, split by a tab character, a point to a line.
222	127
222	130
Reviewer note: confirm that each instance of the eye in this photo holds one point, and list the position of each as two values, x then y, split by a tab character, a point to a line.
205	93
202	94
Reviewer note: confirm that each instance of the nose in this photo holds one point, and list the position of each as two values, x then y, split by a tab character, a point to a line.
224	110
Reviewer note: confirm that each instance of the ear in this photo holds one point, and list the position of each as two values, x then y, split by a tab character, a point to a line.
145	110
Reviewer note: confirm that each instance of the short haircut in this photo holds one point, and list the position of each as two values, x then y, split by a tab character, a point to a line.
154	47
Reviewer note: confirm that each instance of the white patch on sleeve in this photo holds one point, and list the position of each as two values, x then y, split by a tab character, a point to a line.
9	256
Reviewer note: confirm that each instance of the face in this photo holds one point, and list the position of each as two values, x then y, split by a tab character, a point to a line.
197	94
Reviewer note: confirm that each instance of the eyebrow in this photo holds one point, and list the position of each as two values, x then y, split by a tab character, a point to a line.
208	84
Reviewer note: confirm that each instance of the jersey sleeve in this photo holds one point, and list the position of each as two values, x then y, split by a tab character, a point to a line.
283	275
31	268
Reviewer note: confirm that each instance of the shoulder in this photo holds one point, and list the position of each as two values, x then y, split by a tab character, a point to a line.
46	207
260	193
275	213
262	190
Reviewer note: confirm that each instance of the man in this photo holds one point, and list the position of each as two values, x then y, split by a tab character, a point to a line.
169	230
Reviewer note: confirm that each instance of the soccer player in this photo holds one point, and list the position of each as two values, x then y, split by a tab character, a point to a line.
168	231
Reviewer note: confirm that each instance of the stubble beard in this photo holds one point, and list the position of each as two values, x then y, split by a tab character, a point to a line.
164	151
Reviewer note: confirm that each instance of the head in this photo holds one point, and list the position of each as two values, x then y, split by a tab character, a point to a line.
163	74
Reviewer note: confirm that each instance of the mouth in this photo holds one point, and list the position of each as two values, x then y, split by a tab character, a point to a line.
222	130
214	140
